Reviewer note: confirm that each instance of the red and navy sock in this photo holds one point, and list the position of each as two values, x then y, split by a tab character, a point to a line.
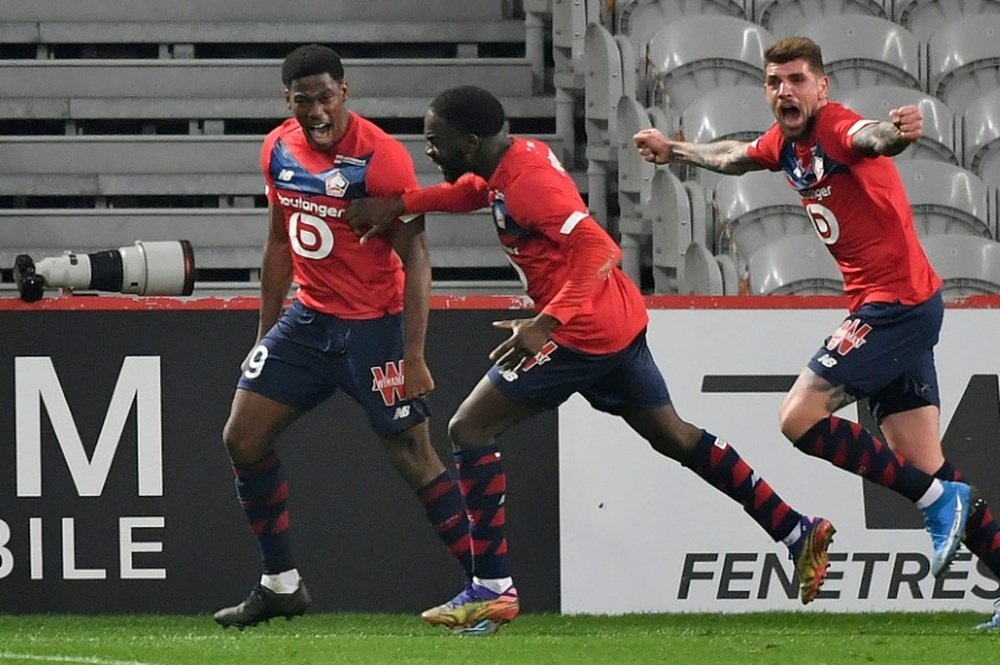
851	447
721	466
484	485
263	492
982	534
442	499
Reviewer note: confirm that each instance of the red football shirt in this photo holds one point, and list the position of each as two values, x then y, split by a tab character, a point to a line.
858	206
566	261
335	273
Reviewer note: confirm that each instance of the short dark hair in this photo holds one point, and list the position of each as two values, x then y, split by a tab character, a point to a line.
470	110
310	60
796	48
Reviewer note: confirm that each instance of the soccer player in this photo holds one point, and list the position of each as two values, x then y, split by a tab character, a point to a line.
360	311
588	337
840	164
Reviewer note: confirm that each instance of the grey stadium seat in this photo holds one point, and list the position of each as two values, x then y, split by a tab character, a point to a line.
794	265
603	85
754	209
981	138
635	176
224	89
967	265
940	127
670	216
964	60
946	199
783	18
639	20
924	17
862	51
737	113
702	274
249	10
692	56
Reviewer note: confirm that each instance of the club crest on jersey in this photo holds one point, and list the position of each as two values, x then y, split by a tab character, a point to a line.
390	382
850	335
336	184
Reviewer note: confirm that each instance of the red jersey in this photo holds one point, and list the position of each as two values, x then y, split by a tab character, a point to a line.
567	262
336	274
858	206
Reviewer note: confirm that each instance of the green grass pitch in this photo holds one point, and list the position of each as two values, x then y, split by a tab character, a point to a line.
538	639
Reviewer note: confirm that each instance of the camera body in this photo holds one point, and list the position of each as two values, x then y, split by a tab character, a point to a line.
160	268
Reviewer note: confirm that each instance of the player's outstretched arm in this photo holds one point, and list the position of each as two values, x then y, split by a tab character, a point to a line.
369	217
410	243
729	157
889	138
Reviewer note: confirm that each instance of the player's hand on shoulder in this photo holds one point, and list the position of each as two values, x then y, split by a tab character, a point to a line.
908	120
653	145
369	217
417	378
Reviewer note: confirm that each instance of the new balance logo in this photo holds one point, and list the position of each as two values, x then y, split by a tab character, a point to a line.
286	175
826	360
401	412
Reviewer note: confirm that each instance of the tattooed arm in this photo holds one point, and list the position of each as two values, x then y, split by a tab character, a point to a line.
729	157
889	138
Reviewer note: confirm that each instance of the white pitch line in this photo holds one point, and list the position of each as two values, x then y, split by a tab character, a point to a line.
86	660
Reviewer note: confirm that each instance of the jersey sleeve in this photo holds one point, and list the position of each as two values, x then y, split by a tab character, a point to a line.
835	130
765	150
390	172
545	201
466	194
592	255
266	148
548	203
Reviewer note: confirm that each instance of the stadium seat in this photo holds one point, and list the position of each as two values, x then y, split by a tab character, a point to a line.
924	17
738	113
249	10
80	90
144	28
635	177
603	86
731	280
964	60
701	274
109	166
967	265
794	265
222	238
946	199
692	56
783	18
981	138
754	209
938	140
670	216
639	20
863	51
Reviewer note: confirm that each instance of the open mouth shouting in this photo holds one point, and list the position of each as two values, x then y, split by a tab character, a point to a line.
320	133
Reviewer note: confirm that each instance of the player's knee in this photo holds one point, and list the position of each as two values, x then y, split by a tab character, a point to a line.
795	421
462	432
242	449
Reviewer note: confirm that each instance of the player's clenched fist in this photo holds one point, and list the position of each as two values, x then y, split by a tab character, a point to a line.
653	145
908	121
